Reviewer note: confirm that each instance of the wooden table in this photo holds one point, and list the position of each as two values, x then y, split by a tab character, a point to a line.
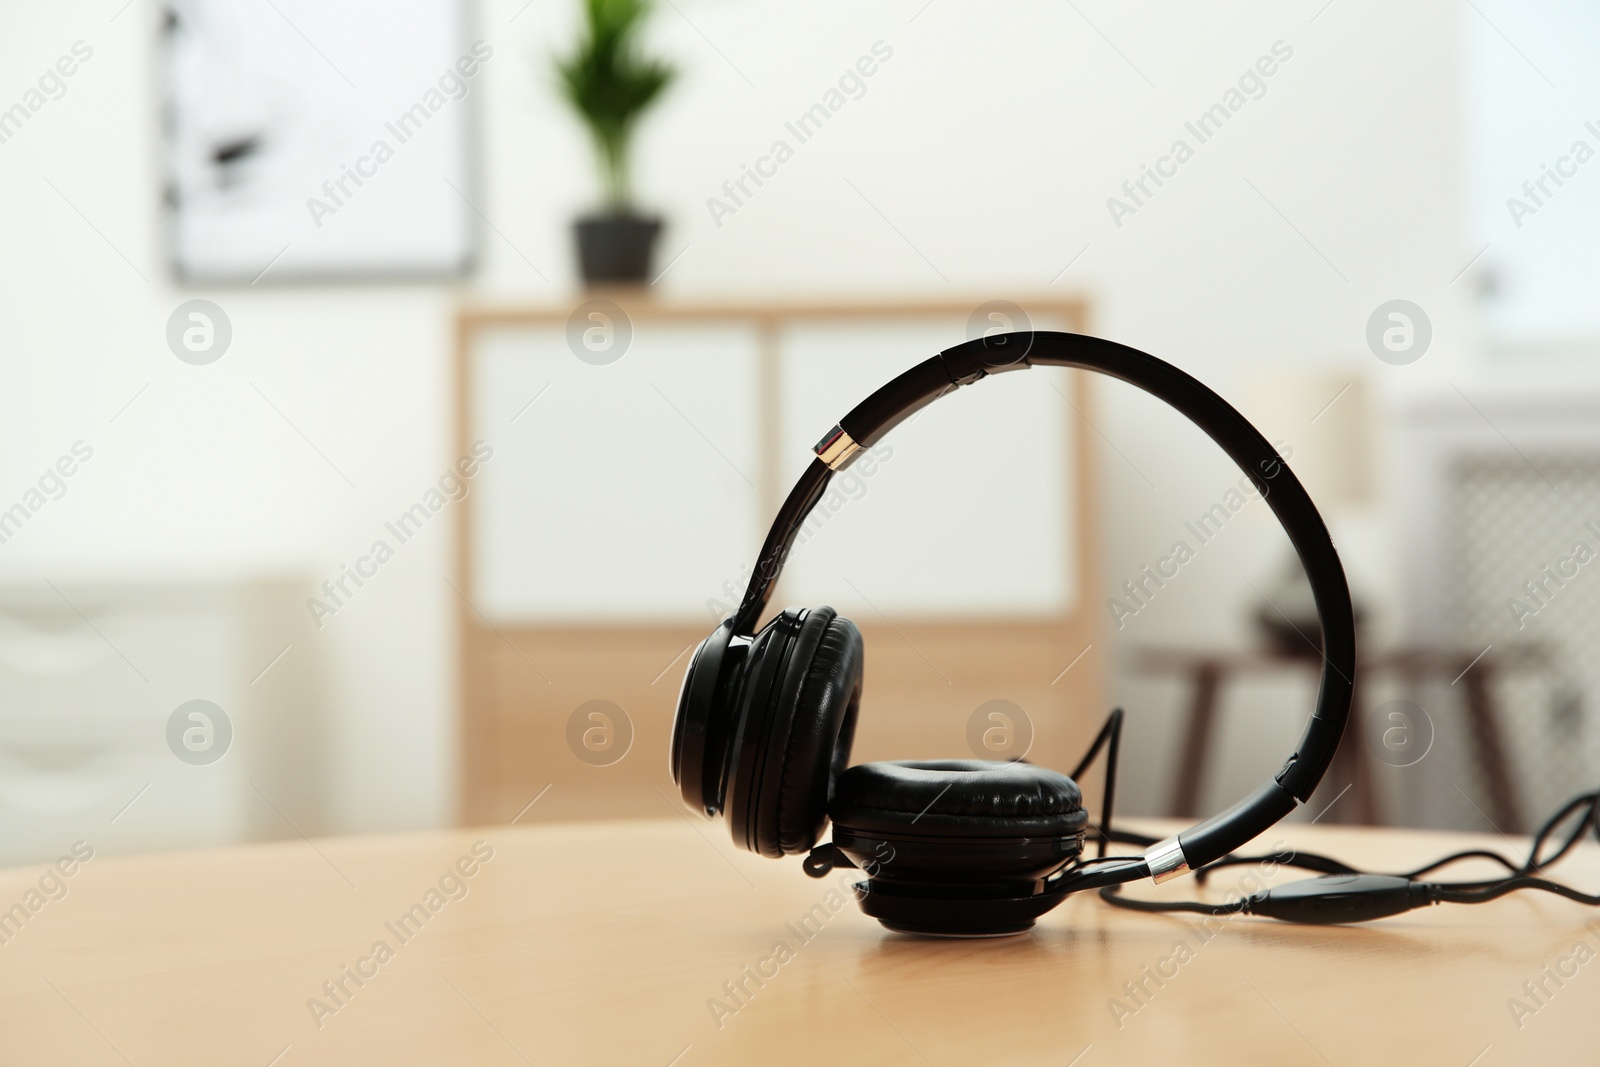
603	943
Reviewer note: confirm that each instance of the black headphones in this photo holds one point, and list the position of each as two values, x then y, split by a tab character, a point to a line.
959	847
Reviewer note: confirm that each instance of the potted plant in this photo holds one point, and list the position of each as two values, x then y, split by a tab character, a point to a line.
611	85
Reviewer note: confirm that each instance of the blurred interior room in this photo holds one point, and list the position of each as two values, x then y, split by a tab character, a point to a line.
386	419
396	395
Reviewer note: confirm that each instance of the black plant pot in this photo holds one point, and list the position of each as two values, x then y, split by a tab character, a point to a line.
616	249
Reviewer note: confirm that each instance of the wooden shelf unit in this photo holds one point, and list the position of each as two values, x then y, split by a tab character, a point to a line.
925	674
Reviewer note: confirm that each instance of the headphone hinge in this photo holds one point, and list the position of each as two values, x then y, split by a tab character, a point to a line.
964	368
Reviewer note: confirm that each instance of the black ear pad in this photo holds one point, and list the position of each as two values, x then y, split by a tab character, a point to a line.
957	848
807	744
957	798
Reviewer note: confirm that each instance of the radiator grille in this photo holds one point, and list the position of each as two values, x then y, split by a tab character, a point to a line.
1508	518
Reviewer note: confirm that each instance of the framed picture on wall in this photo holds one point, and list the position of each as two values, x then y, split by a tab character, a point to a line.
307	140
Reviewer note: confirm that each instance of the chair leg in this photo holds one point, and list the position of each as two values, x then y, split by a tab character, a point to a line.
1491	754
1197	740
1356	760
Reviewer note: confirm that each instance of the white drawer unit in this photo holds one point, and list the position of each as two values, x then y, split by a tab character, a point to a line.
596	468
638	491
91	674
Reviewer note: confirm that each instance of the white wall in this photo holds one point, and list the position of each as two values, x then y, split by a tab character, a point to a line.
990	141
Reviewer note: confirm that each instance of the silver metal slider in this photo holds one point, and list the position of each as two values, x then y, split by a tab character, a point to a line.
1166	860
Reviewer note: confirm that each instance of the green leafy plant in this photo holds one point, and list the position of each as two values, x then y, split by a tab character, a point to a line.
610	85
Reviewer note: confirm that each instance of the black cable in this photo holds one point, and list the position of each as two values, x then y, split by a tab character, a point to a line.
1345	894
1110	733
1095	874
1111	894
1309	861
1534	862
1103	870
1470	854
1510	885
1327	865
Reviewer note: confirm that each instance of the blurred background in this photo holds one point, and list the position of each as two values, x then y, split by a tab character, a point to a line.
351	485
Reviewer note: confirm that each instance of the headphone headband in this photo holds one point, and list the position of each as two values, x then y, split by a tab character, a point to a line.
964	364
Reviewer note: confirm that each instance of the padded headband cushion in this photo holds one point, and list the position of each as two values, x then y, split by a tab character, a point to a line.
817	701
958	798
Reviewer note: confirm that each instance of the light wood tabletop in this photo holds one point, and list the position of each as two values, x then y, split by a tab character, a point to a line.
626	942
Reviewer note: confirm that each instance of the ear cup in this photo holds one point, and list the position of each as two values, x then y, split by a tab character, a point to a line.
958	798
957	848
811	724
704	726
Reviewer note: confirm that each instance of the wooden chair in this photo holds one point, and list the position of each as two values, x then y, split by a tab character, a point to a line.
1208	670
